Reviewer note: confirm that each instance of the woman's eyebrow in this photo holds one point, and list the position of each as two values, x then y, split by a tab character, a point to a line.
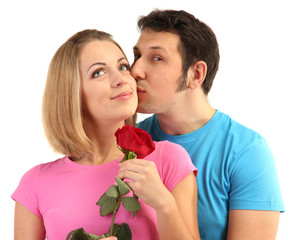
104	64
97	63
122	58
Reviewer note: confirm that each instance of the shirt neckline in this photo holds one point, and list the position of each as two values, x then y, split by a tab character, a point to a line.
67	161
188	136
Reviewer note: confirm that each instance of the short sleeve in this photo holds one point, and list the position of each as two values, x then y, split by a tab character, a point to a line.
254	181
175	164
27	191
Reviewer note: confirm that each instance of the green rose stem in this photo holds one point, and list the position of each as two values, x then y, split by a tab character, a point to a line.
113	216
128	155
118	192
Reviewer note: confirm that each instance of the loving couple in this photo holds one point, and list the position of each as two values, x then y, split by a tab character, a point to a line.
91	91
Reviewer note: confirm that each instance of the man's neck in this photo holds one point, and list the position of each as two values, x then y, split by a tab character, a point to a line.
186	118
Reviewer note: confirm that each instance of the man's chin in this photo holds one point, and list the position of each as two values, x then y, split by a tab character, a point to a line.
144	110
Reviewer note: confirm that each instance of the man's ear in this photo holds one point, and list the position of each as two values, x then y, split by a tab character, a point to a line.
198	73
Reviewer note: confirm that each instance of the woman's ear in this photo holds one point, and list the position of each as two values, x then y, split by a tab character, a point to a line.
198	73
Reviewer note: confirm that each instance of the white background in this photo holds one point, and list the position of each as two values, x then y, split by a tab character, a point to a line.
255	85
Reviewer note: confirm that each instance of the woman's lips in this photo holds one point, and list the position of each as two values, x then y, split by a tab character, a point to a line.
122	96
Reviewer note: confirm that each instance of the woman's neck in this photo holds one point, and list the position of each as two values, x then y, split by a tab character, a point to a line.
100	157
105	145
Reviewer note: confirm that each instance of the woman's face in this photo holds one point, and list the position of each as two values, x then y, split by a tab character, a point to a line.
108	90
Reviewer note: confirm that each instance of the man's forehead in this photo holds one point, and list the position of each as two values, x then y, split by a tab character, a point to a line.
149	39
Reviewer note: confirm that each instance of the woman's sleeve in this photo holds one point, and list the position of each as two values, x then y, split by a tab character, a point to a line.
175	164
27	191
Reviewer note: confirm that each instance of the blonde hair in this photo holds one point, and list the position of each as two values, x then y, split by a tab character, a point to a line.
62	112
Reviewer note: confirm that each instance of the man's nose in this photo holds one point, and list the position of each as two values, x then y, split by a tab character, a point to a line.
138	70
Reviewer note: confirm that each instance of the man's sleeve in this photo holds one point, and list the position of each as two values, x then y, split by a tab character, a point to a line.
254	181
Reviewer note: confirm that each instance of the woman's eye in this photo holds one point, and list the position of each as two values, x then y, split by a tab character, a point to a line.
98	73
125	67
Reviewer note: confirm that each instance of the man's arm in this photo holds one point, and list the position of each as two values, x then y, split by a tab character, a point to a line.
252	224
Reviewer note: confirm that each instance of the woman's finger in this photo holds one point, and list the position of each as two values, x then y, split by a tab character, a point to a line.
129	174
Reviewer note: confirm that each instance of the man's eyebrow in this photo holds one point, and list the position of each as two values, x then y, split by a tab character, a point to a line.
158	47
135	48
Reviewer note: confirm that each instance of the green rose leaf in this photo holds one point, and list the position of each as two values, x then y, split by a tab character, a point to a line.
115	229
113	191
122	232
108	206
102	199
78	234
123	187
131	204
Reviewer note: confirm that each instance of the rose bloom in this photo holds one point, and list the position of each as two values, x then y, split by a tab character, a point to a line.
135	140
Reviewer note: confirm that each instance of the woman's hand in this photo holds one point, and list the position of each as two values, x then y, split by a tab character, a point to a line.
145	182
176	210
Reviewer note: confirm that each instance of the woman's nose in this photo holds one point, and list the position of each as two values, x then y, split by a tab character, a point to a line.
119	79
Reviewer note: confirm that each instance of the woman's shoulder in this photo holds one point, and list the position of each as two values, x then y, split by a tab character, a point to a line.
168	151
173	163
42	167
169	147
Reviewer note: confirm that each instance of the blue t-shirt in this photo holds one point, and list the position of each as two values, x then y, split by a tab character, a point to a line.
236	170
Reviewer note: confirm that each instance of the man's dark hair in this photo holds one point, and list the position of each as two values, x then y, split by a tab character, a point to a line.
197	40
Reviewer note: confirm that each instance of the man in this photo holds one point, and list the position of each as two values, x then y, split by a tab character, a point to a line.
176	60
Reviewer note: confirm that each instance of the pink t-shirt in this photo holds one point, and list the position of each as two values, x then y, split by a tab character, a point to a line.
64	193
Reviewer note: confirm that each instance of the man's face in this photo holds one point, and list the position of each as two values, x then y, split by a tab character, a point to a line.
157	69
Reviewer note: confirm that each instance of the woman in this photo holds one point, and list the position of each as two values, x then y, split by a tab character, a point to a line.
89	94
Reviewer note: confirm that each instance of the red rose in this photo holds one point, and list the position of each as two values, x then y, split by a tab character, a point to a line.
135	140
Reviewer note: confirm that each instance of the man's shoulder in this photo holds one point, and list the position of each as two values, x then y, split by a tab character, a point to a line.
232	126
244	131
235	135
